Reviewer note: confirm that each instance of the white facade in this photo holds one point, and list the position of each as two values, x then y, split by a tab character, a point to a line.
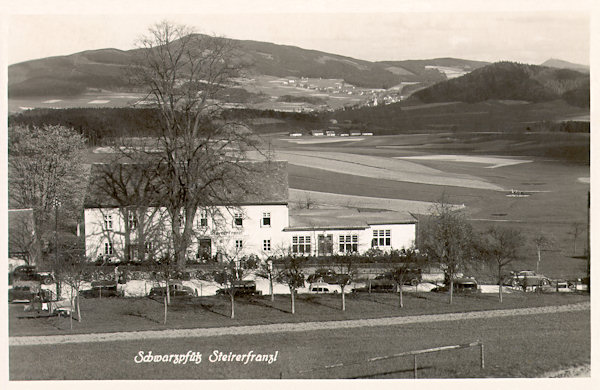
251	229
316	242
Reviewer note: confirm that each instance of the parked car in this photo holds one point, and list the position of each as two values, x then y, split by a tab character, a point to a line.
241	287
30	272
538	284
28	291
516	279
412	276
324	288
101	288
175	290
377	286
323	275
461	285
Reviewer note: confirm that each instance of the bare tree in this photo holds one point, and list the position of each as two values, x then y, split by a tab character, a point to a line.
231	275
198	156
347	271
404	267
292	275
72	273
500	246
447	239
541	242
266	271
576	230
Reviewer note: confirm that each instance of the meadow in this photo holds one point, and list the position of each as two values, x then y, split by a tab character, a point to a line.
478	171
524	346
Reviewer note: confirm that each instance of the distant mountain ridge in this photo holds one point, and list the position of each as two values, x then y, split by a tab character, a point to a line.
561	64
107	69
512	81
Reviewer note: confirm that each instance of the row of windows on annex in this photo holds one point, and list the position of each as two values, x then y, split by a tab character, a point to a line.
108	248
202	220
346	243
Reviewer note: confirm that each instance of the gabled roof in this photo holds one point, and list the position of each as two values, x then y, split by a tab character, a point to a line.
245	183
335	219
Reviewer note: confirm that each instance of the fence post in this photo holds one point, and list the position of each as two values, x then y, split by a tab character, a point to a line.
482	357
415	367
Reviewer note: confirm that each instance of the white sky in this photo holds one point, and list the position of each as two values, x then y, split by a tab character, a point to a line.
525	31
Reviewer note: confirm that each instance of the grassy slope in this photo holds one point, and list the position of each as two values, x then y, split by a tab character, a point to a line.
552	213
130	314
522	346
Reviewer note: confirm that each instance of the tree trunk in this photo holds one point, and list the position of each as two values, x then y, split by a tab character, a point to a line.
271	288
167	292
78	309
293	300
400	297
451	289
231	295
71	311
537	265
500	279
343	299
165	301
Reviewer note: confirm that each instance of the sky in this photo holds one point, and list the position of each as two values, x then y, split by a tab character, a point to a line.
524	31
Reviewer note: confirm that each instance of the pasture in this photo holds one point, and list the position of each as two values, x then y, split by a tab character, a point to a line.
479	171
524	346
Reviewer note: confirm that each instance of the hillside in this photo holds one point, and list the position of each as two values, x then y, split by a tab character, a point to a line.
561	64
512	81
73	74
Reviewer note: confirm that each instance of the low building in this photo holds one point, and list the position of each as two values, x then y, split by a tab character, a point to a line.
129	225
317	133
319	232
296	134
330	133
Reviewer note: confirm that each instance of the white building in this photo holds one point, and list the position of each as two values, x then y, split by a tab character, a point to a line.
137	227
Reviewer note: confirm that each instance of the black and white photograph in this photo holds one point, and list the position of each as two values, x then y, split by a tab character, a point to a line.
385	193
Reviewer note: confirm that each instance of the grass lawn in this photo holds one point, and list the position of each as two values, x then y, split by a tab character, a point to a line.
132	314
520	346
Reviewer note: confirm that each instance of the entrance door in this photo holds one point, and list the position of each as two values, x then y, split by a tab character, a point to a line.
325	244
204	249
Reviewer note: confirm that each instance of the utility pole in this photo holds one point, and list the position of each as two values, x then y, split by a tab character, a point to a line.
56	204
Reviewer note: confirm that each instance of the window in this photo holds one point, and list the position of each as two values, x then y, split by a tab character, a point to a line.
132	219
349	243
108	248
149	246
267	245
108	222
301	244
239	244
203	222
237	219
382	238
266	219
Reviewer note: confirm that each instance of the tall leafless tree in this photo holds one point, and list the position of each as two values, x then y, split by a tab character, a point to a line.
500	246
198	154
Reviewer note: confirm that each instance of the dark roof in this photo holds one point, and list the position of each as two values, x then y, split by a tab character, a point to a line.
245	183
332	219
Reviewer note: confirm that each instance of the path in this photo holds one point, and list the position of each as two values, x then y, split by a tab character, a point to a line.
287	327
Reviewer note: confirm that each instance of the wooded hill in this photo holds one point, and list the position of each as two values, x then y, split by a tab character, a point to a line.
512	81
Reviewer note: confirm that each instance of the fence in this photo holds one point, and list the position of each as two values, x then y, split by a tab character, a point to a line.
403	354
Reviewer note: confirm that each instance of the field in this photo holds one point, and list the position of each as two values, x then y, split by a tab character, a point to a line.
477	170
516	346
